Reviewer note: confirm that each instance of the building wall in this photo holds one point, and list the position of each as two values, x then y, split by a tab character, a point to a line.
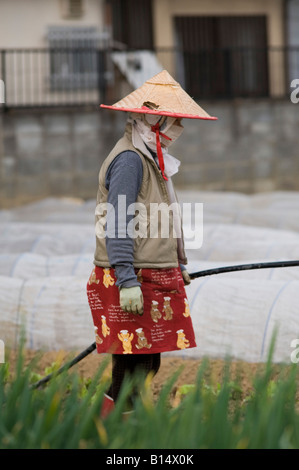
29	69
252	147
23	24
165	10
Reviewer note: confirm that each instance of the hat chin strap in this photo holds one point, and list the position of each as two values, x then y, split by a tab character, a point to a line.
156	129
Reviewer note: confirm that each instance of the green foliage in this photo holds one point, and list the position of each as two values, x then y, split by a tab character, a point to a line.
65	414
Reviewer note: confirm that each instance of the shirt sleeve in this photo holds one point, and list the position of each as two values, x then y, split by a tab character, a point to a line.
123	181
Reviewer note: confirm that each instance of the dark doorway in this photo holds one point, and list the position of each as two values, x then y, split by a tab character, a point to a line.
223	56
132	23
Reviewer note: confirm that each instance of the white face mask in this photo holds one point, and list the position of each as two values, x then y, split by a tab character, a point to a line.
168	125
173	132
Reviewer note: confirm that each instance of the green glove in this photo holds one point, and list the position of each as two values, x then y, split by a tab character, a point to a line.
131	300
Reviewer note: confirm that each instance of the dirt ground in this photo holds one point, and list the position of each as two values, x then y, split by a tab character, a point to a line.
241	371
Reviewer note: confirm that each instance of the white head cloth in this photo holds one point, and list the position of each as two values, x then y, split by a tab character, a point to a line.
143	136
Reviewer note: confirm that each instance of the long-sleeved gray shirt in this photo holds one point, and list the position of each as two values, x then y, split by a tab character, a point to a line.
123	178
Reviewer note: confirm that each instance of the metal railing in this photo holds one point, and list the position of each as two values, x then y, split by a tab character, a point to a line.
52	77
78	77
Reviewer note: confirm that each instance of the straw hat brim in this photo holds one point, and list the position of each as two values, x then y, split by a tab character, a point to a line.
144	110
161	95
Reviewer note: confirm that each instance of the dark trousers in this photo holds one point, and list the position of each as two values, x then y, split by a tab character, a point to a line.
129	365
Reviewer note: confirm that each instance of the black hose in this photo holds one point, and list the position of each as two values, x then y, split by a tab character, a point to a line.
66	366
243	267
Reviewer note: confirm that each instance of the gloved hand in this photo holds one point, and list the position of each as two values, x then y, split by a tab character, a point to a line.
186	277
131	299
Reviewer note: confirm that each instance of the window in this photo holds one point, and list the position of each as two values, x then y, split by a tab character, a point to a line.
72	8
132	23
73	57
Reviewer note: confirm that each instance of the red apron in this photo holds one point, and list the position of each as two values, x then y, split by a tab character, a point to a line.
164	326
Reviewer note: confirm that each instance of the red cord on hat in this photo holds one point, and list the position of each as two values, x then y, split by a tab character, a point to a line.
156	129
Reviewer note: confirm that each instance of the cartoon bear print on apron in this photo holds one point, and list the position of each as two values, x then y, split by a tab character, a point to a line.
165	325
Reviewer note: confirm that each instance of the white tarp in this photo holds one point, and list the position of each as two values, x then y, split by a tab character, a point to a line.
46	253
137	66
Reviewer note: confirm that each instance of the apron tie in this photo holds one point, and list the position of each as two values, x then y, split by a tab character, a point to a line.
156	129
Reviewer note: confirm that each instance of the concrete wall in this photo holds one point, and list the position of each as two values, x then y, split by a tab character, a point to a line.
254	146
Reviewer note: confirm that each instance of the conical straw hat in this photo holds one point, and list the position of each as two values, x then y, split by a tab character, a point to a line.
161	95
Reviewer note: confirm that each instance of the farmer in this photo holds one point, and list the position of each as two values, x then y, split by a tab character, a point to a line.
136	290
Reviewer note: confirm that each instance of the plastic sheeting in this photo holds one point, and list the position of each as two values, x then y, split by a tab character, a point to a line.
46	253
238	317
52	311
